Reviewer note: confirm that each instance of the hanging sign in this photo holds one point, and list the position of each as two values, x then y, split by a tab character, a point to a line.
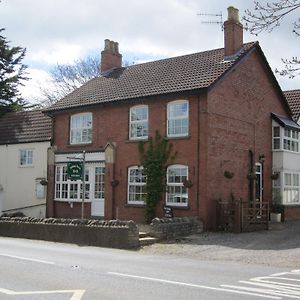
75	170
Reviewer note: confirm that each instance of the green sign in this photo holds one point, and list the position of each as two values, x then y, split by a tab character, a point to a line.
74	170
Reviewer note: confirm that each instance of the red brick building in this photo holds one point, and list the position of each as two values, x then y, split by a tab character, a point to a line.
214	107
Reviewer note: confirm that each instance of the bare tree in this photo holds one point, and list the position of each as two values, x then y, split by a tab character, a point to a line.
67	78
267	17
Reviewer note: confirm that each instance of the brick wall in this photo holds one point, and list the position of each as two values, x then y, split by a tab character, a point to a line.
291	213
232	118
238	118
110	124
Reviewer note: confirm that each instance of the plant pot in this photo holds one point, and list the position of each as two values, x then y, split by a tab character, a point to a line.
275	217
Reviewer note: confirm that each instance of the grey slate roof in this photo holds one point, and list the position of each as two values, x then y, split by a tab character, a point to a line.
25	127
286	122
183	73
293	99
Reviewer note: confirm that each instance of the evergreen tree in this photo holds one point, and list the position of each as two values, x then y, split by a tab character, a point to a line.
11	77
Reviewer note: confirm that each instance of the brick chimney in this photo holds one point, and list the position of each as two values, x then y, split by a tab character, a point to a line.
233	32
110	56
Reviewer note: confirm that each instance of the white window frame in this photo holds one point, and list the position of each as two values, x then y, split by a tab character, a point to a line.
173	119
174	185
276	138
28	158
80	130
292	190
99	186
135	184
135	125
63	185
290	140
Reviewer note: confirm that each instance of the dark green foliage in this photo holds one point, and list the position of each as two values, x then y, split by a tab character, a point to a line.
154	159
11	76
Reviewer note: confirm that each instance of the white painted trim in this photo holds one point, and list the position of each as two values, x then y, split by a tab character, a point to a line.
89	157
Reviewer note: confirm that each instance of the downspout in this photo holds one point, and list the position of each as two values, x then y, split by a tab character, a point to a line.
198	157
113	192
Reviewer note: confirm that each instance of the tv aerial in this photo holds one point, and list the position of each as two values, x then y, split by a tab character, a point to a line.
218	17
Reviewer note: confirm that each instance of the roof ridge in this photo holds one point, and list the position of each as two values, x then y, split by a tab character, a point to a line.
184	55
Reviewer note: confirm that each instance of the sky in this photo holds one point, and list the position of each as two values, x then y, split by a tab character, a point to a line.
62	31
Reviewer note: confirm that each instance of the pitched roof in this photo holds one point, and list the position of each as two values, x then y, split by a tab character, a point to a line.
286	122
293	99
25	127
177	74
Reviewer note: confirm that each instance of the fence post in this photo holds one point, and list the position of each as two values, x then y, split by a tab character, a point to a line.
237	217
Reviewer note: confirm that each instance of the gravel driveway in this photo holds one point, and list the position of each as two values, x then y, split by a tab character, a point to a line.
278	246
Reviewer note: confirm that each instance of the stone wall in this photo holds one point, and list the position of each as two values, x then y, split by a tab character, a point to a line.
113	234
166	229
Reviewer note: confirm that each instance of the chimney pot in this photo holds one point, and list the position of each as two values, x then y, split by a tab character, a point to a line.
233	14
110	56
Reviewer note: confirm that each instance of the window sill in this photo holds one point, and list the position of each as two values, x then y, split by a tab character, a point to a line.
26	166
136	140
72	201
179	207
79	145
185	137
135	205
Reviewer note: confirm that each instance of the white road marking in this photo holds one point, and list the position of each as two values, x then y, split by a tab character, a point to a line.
193	285
28	259
77	294
274	284
267	291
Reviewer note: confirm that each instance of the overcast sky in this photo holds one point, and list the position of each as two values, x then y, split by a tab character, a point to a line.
61	31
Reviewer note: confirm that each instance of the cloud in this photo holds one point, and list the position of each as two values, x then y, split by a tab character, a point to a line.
60	53
31	91
61	31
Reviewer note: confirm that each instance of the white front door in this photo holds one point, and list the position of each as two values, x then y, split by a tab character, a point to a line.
97	197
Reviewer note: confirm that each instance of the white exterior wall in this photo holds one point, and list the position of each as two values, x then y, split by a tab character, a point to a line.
285	161
19	182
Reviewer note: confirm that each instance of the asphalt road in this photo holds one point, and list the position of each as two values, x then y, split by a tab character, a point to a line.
44	270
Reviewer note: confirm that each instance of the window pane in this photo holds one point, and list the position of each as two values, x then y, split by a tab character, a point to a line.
138	122
295	180
81	128
276	131
178	118
136	185
287	179
176	191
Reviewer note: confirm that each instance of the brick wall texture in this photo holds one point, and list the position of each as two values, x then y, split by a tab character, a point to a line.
225	122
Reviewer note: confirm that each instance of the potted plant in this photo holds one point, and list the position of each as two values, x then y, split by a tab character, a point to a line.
276	209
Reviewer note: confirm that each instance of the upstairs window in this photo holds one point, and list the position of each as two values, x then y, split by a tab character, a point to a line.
26	157
138	127
81	129
178	118
291	140
276	138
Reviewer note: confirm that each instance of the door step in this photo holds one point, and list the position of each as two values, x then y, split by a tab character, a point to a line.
146	240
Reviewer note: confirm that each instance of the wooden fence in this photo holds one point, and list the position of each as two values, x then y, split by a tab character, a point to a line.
237	216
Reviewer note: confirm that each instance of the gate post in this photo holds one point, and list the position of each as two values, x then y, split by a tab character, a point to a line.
237	216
